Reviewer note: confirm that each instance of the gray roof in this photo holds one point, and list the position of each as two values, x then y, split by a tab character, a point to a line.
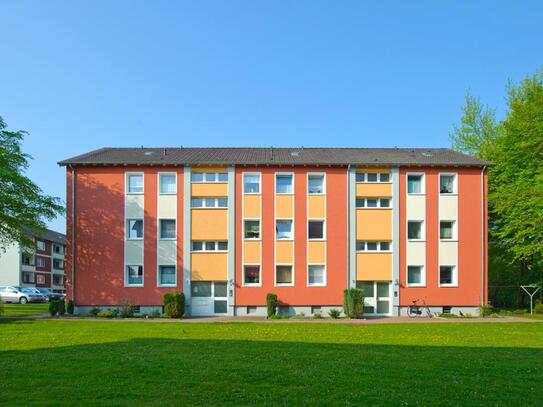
50	235
275	156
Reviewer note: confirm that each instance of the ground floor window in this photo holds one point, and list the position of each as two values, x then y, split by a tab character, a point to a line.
376	297
209	298
134	275
28	277
166	275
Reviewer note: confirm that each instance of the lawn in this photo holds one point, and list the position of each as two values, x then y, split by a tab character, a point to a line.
17	310
152	363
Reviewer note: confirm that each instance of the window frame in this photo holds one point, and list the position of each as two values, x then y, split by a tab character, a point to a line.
313	175
422	183
127	229
40	259
453	231
158	275
126	277
127	182
259	174
204	248
160	229
283	174
422	276
379	181
259	229
454	276
422	231
379	199
324	283
379	250
323	230
275	283
40	243
160	175
455	183
204	181
291	238
203	199
243	283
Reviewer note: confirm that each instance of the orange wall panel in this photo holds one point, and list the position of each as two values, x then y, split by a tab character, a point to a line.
284	252
373	190
316	253
284	206
374	224
209	224
316	206
209	266
209	189
374	266
251	206
251	252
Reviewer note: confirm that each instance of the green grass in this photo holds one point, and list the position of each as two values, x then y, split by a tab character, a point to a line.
17	310
59	362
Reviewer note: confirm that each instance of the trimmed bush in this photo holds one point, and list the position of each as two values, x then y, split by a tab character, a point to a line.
271	304
174	304
538	309
70	307
94	311
56	307
334	313
353	302
61	307
127	309
109	313
318	315
486	310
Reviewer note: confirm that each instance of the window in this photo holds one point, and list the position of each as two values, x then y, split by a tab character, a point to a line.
168	184
57	249
373	203
283	184
167	228
40	279
58	279
27	259
40	245
251	229
251	275
384	177
209	202
372	177
362	246
209	246
134	275
360	177
135	184
134	229
414	184
251	183
283	230
315	184
201	288
283	275
415	276
447	276
315	229
40	262
446	230
28	277
209	177
58	264
414	230
316	276
166	275
446	184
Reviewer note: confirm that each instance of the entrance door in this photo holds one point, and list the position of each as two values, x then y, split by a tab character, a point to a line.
376	297
208	298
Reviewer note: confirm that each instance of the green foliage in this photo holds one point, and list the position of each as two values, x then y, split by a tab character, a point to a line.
127	309
23	206
334	313
56	307
271	304
94	311
174	304
485	310
155	314
70	307
353	302
1	308
538	308
318	315
109	313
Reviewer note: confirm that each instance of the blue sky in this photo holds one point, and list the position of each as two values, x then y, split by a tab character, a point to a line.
82	75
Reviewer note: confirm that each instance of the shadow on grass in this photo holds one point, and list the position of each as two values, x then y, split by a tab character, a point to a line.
237	372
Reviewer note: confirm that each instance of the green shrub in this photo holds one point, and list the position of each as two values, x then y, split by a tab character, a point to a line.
155	314
318	315
271	304
538	309
174	304
467	315
56	307
61	307
353	302
494	315
109	313
334	313
127	309
70	307
520	312
485	310
94	311
1	308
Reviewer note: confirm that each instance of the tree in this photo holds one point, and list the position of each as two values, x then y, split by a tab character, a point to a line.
23	205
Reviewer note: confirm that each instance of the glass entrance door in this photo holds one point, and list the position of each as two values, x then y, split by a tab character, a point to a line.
209	298
376	297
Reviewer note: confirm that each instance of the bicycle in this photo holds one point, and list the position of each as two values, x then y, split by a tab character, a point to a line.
417	310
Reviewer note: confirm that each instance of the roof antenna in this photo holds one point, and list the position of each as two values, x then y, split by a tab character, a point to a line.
164	152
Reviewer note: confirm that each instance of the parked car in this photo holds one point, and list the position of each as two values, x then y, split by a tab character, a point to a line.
21	295
50	295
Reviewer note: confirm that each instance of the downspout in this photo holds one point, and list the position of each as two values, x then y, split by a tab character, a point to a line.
484	235
73	231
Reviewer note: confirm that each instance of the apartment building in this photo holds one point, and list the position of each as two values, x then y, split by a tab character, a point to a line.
41	267
228	225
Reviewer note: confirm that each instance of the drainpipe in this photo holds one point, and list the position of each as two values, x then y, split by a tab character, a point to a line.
73	231
484	235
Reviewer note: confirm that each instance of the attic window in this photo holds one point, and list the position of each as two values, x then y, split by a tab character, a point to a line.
148	153
295	153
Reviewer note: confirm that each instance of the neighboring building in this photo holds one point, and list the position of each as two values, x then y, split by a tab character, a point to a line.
41	267
228	225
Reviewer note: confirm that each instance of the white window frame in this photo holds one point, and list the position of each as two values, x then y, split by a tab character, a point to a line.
379	206
127	183
126	280
252	239
422	183
160	175
259	174
323	230
204	249
40	259
127	229
291	229
259	284
455	184
324	283
160	229
279	174
422	275
365	177
422	231
158	283
40	245
215	181
379	250
454	276
275	283
316	174
453	238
